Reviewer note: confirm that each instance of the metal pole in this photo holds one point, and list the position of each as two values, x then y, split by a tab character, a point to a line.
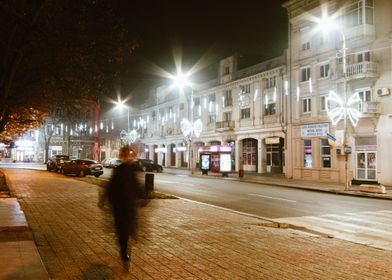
346	185
191	136
128	119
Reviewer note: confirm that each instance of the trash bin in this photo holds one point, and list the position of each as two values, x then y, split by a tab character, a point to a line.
149	183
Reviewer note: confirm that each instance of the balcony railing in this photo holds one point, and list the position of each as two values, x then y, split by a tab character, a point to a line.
366	69
225	125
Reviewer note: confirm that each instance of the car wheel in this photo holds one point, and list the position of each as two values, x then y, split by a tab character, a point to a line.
144	169
96	175
81	173
159	169
47	167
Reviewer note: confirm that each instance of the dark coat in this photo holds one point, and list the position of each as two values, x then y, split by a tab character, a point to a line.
123	193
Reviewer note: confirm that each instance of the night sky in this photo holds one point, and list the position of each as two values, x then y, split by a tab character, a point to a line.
255	30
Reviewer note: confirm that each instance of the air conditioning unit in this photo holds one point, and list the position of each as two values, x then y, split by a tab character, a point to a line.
383	91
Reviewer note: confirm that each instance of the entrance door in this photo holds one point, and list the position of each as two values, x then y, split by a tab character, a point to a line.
274	156
366	165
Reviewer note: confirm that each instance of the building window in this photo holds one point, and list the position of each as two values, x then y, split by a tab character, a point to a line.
324	70
306	105
245	88
361	57
196	101
182	106
226	116
227	71
305	74
353	14
228	101
306	46
365	96
245	113
153	115
325	154
211	97
270	109
211	119
308	153
271	82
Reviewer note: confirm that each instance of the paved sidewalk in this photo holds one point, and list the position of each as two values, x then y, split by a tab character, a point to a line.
284	182
19	257
179	239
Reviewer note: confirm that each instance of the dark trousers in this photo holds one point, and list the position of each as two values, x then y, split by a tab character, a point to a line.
122	230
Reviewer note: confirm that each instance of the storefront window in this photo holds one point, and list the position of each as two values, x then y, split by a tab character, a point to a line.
325	154
308	153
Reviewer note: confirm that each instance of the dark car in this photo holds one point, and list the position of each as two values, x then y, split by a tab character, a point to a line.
56	162
149	165
82	167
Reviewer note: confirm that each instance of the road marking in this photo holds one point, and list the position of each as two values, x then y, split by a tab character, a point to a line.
174	182
271	197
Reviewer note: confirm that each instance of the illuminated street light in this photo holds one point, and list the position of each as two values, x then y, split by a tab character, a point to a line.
346	107
128	136
188	128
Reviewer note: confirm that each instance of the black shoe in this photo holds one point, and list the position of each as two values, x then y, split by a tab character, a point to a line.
125	257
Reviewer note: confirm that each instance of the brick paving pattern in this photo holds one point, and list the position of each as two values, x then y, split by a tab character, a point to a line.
178	239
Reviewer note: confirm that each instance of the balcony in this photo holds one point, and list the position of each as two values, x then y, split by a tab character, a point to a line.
362	70
225	125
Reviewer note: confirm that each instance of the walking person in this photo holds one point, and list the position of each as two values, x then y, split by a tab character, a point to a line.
123	193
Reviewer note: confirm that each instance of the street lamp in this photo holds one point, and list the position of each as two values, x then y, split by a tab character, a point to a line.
346	107
188	128
128	136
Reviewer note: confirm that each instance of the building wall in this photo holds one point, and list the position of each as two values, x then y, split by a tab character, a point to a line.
372	74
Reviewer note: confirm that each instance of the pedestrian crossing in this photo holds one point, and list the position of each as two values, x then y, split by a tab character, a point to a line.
372	228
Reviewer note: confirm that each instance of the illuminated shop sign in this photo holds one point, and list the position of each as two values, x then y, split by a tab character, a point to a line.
215	149
205	160
225	162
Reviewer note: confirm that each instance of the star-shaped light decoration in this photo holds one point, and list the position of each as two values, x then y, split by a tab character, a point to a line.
129	137
187	127
343	109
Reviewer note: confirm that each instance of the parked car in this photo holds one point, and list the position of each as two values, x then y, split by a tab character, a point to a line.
82	167
149	165
56	162
113	162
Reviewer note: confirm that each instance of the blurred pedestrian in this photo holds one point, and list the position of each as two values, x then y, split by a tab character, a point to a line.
123	193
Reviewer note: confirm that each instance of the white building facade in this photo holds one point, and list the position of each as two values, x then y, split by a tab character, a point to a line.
315	66
242	113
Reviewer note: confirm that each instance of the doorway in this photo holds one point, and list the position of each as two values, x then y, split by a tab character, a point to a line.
366	165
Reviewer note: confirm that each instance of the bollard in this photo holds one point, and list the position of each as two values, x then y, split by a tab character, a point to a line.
149	183
241	173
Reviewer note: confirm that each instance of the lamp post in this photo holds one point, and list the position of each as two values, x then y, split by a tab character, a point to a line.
128	136
344	107
188	128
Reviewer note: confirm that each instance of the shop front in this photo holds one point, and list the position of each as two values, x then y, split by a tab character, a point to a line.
220	157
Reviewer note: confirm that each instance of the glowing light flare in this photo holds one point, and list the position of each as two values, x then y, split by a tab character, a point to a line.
255	95
275	95
342	110
286	87
298	93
